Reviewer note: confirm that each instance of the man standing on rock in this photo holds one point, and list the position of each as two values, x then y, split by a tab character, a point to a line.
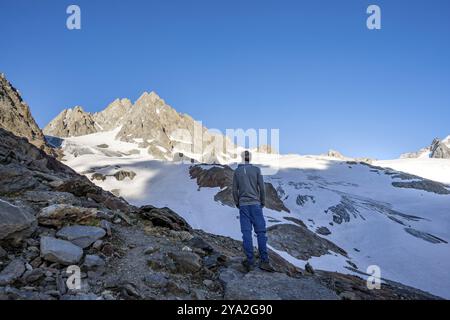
249	196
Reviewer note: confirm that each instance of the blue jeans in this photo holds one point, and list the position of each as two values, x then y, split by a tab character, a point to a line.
252	216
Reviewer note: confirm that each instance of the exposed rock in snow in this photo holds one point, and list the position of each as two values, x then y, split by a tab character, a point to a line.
424	235
300	242
222	177
122	174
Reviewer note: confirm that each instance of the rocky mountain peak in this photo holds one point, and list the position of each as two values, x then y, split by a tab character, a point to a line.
151	97
15	116
71	122
113	115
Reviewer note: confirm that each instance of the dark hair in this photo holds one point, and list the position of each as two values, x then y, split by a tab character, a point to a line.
246	156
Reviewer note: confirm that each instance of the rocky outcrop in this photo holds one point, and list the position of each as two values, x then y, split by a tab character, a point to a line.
439	149
164	217
221	176
15	116
71	123
335	154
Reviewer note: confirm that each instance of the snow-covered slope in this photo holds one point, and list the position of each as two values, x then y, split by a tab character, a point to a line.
378	216
430	168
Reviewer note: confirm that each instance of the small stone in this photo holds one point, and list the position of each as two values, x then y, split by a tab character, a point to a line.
347	295
117	221
186	248
97	245
208	283
186	262
106	225
150	250
108	249
3	253
92	261
36	262
156	280
309	268
32	276
323	231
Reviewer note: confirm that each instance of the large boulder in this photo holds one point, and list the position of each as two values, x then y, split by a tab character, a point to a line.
82	236
60	251
58	215
15	223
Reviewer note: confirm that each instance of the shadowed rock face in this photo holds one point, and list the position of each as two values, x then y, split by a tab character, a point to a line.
222	177
15	116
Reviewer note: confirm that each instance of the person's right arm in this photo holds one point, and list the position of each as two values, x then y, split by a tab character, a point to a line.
235	190
261	187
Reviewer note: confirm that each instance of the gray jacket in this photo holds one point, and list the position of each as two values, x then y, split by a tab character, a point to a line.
248	186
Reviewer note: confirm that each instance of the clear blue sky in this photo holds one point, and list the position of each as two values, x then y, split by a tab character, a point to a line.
310	68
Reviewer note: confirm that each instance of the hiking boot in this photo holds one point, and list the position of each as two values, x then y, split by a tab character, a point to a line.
248	265
266	266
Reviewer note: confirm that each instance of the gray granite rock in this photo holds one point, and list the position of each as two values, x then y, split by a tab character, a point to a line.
60	251
82	236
